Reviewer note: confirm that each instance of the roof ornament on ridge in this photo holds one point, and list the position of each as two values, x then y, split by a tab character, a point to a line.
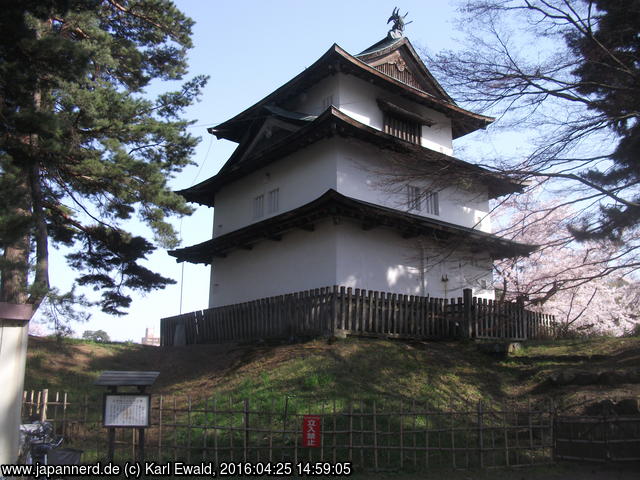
397	31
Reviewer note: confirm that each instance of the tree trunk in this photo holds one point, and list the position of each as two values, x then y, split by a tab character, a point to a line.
14	294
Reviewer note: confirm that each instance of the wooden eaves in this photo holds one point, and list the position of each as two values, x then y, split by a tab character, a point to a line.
335	205
334	122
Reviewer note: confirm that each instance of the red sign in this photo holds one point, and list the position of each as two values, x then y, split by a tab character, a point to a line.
311	430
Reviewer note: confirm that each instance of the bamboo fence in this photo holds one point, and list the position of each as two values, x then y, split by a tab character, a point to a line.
379	435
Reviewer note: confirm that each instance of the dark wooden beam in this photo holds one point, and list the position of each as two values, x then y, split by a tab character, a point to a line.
246	247
309	227
369	225
410	234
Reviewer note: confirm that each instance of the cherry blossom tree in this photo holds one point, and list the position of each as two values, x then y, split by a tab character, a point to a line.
579	283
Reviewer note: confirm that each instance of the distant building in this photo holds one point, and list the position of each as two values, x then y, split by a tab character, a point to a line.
150	338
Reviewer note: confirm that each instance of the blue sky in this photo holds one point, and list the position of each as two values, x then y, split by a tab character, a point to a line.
249	48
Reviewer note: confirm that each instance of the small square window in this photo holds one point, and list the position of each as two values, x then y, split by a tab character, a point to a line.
258	206
273	200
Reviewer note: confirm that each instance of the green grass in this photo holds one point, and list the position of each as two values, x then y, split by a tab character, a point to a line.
437	373
578	347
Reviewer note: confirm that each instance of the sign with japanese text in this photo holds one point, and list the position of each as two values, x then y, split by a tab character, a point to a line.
126	410
311	430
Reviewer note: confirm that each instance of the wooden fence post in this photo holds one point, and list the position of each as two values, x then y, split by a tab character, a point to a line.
43	405
467	298
522	313
246	429
334	311
480	435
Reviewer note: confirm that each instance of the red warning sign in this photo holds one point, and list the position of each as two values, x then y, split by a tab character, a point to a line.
311	430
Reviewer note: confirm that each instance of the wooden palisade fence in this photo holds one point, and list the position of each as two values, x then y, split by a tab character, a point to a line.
339	310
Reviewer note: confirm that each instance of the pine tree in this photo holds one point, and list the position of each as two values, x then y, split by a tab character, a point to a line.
82	148
608	73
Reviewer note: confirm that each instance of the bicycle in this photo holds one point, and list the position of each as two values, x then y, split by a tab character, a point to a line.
39	445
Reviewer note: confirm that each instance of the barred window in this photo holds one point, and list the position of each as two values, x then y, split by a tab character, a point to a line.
422	200
413	197
431	204
258	206
273	200
402	128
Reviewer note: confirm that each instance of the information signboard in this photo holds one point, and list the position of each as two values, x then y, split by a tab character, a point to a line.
126	410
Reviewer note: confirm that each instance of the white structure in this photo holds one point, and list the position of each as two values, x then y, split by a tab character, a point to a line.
150	337
345	176
14	325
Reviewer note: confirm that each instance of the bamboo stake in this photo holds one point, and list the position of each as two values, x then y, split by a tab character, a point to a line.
350	431
453	439
362	433
175	426
231	431
284	423
64	413
467	434
215	431
402	435
38	403
189	429
295	442
375	438
56	403
480	434
246	429
271	429
506	437
415	451
206	423
530	431
388	440
310	450
493	445
426	440
322	427
333	455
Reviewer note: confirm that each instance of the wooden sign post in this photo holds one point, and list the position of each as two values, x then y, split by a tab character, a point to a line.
126	409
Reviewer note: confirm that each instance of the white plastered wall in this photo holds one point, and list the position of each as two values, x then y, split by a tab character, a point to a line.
318	98
358	100
300	177
364	173
380	259
300	261
346	255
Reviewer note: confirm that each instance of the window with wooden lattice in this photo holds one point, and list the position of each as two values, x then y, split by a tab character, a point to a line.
402	128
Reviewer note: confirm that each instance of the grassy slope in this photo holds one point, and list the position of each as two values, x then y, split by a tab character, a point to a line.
434	372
